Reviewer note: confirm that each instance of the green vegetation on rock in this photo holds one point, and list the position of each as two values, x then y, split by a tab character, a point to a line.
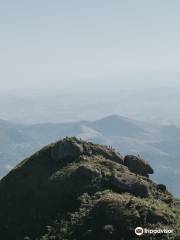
72	190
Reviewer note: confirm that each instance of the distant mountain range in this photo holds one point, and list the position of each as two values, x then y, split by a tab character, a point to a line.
159	144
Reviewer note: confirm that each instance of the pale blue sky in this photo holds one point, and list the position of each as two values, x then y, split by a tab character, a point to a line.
60	44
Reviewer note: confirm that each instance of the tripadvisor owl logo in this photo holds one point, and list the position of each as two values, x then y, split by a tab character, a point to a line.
139	231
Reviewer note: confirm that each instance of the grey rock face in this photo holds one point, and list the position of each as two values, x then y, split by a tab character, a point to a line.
126	182
88	171
66	149
107	152
138	165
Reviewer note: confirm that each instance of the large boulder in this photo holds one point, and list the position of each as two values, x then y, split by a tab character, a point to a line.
68	148
107	152
138	165
127	182
87	171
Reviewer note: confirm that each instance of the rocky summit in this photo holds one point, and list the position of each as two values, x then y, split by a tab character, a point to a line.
77	190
